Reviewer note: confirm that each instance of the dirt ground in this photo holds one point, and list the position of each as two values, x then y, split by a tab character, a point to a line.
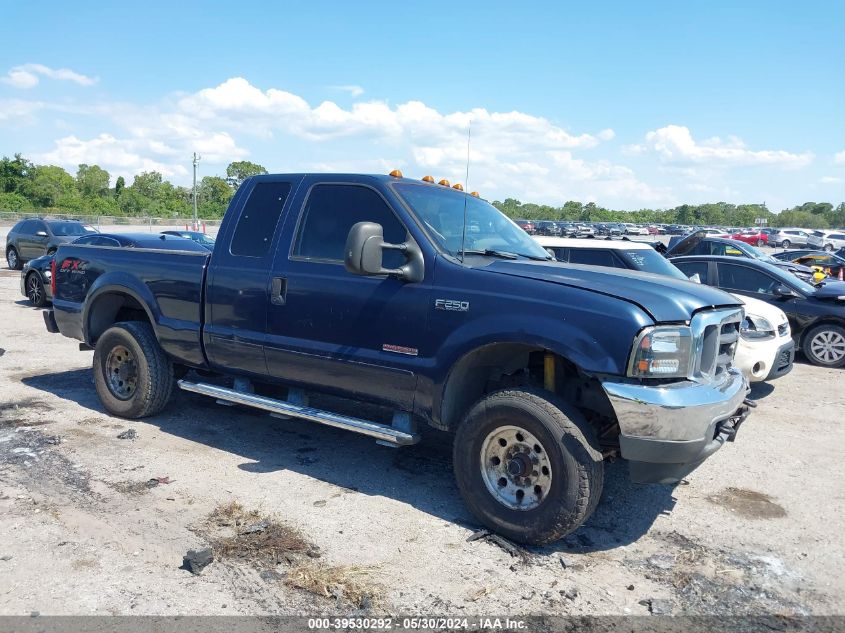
757	529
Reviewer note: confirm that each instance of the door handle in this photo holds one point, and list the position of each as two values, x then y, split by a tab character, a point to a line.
278	291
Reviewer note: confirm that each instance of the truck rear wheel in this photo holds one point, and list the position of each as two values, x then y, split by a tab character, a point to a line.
528	466
132	374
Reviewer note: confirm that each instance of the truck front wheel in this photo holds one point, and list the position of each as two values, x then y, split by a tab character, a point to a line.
528	466
132	374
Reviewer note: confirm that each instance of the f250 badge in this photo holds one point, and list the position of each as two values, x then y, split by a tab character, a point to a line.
451	305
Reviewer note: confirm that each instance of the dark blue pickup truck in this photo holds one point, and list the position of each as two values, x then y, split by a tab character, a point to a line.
428	302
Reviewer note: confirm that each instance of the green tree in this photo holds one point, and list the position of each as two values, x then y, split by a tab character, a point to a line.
239	171
92	181
149	184
47	184
119	186
213	195
13	202
13	173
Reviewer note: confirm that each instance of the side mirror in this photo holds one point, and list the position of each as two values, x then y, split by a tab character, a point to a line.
695	278
785	292
365	246
41	233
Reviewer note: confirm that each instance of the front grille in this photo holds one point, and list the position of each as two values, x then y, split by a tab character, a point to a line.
784	360
783	329
716	333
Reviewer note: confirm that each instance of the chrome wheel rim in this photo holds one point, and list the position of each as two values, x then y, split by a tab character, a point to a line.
34	290
760	242
828	346
12	258
121	372
516	468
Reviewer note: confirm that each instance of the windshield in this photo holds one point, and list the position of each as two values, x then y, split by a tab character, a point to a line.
756	253
650	261
69	228
441	210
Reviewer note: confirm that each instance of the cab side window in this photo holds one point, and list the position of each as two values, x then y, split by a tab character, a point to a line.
330	213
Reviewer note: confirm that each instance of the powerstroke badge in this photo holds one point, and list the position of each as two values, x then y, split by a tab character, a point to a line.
451	305
399	349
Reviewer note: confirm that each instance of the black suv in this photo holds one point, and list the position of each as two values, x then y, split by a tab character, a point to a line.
35	237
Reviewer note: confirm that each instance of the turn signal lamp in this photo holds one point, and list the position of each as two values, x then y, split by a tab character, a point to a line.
458	186
428	179
444	182
395	173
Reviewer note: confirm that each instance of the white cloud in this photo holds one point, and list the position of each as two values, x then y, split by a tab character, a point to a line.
674	143
607	135
839	158
120	155
830	180
353	90
27	76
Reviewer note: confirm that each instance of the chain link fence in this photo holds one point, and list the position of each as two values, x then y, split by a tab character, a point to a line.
8	218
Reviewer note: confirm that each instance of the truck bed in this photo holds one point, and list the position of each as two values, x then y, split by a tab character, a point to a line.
167	284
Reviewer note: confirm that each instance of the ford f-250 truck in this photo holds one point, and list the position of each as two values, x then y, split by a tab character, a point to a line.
429	302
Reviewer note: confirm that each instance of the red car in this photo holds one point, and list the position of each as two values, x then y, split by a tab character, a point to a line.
755	238
527	226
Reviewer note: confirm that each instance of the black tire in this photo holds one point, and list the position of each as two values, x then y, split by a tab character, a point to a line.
824	345
785	244
572	452
760	243
13	260
153	371
828	247
35	291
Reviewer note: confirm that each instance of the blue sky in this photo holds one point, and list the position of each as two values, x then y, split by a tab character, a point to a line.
628	104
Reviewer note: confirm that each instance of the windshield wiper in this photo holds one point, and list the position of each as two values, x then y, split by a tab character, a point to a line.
490	252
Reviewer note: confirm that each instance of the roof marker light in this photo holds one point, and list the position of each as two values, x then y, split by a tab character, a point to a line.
444	182
395	173
428	179
458	186
475	194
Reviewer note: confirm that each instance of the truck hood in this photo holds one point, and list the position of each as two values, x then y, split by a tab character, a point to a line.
665	299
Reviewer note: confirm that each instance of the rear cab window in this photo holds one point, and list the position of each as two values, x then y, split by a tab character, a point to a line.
259	217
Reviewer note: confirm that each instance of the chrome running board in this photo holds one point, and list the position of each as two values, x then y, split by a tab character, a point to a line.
381	432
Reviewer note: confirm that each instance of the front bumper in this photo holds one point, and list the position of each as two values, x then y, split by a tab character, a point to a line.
666	431
765	360
783	362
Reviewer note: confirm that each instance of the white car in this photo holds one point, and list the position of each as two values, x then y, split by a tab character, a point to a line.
827	240
763	334
765	350
633	229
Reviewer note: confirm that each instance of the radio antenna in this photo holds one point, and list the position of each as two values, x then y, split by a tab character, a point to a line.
466	189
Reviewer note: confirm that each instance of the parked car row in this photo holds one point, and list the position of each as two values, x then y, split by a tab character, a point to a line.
765	349
811	313
32	253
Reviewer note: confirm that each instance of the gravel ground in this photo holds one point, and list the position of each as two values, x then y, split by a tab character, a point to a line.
757	529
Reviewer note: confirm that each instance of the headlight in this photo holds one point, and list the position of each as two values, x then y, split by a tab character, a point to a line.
756	328
663	351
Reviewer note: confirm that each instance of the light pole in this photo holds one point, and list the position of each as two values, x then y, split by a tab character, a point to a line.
197	159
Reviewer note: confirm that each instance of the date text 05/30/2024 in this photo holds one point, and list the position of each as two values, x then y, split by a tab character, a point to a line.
417	623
